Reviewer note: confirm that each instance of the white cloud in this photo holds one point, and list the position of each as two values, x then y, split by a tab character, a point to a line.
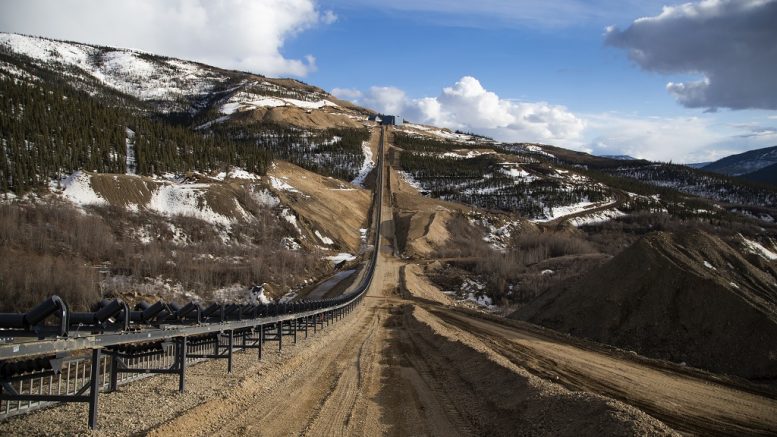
729	43
654	138
678	139
468	106
346	93
388	100
238	34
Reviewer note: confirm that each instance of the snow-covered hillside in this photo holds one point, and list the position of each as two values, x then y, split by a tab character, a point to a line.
168	84
138	74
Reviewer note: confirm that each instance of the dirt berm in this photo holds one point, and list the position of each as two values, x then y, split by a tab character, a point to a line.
504	399
687	298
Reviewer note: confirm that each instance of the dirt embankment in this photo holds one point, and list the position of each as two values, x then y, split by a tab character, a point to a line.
687	298
299	117
415	283
688	400
421	223
500	398
335	208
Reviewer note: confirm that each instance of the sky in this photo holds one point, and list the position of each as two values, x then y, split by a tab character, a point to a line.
681	82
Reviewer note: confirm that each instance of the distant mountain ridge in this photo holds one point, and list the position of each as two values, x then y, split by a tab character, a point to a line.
620	157
744	163
173	115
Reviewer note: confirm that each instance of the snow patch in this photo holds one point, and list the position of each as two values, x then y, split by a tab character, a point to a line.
340	257
266	198
244	101
367	165
408	178
237	173
324	239
289	216
131	162
538	150
282	185
758	249
78	189
186	200
597	217
575	208
290	244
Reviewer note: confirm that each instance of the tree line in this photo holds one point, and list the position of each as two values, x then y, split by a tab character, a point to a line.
335	152
481	181
47	129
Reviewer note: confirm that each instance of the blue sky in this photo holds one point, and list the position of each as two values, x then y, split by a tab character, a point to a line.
547	71
521	61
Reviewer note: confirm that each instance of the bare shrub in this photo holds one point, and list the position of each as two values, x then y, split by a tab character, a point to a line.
503	268
182	250
26	279
55	230
535	247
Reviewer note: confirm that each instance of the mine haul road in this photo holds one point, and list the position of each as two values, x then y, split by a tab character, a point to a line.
404	366
400	365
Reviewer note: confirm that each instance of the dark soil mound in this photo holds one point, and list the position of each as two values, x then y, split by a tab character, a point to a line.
687	298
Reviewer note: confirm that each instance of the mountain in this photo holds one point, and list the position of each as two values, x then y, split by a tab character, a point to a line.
766	175
163	84
142	108
743	163
663	294
619	157
140	176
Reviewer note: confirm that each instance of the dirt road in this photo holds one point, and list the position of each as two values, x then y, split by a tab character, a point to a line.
388	370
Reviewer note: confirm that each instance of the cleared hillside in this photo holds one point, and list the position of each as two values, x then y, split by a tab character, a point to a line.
686	297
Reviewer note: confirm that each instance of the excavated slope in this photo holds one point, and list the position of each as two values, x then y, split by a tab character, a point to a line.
687	298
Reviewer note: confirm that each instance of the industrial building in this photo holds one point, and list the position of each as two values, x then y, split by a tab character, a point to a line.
386	120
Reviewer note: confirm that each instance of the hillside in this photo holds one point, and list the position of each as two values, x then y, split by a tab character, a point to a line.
149	115
509	289
664	294
744	163
499	224
545	183
767	175
168	161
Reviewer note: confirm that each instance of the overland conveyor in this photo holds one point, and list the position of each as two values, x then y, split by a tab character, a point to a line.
85	353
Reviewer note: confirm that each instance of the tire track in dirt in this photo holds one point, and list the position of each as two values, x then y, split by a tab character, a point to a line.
340	408
281	402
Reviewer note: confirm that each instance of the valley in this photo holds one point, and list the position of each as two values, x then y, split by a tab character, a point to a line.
406	362
518	288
